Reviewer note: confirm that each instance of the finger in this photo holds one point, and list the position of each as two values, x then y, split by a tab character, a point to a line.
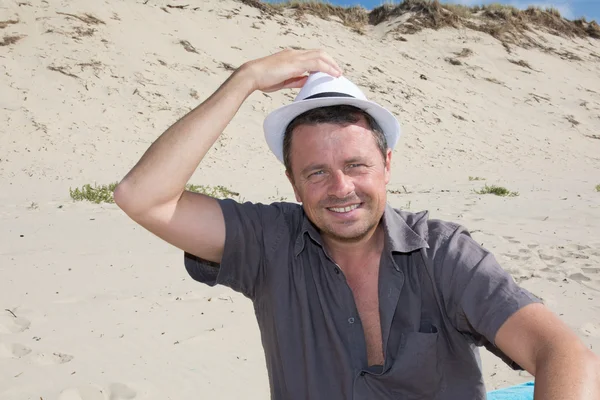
320	64
324	56
317	64
330	60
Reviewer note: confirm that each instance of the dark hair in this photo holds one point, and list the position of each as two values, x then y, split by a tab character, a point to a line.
340	114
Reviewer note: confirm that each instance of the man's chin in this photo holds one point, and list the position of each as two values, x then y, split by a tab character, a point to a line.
345	234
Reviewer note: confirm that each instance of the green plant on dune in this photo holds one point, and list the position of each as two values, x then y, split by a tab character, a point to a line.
597	188
105	193
497	190
95	194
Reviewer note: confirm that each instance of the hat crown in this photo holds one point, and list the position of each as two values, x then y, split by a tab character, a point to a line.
320	82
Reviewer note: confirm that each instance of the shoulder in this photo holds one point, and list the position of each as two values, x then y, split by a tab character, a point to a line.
436	232
448	242
266	217
276	209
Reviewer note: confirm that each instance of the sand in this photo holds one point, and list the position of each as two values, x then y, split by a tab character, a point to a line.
94	307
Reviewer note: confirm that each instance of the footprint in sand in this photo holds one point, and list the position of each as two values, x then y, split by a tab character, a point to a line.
511	239
14	350
116	391
52	358
588	270
511	256
578	277
120	391
577	262
550	260
11	324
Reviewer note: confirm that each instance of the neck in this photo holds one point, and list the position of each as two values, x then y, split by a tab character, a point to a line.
347	254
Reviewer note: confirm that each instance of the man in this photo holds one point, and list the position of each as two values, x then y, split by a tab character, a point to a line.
354	299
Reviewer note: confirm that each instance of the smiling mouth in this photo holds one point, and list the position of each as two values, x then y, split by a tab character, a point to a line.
344	209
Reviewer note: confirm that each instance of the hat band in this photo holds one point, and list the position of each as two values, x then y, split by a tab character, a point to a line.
328	94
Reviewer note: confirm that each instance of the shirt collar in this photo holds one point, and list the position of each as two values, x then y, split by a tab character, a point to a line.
400	237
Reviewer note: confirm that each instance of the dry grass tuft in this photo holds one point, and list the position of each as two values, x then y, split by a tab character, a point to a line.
188	46
87	18
426	14
572	120
460	10
567	55
592	29
500	11
521	63
494	80
62	70
4	24
464	53
354	17
453	61
227	66
80	32
266	8
506	23
8	40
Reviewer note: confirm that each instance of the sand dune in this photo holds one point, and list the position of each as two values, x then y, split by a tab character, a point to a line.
94	307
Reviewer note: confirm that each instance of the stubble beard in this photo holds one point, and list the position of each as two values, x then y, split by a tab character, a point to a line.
362	229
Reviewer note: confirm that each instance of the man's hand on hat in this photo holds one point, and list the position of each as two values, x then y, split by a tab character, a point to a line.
287	69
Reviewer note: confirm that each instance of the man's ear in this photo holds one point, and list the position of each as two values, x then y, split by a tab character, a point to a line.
290	177
388	166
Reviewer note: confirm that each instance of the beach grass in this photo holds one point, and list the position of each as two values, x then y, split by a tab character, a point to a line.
105	193
96	194
497	190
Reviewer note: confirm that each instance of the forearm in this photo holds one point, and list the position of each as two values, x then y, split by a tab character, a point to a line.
567	374
162	172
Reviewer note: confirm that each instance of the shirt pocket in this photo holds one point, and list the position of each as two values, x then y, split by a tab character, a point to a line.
415	372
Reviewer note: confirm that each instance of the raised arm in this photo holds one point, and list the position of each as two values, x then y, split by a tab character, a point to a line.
153	193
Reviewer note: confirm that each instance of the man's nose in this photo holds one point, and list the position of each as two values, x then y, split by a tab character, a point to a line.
341	185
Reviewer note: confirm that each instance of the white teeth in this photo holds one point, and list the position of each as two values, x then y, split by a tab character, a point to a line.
344	209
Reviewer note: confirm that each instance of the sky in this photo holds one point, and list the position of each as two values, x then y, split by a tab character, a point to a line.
570	9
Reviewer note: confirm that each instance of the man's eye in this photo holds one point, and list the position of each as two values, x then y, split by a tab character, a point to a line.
356	165
316	173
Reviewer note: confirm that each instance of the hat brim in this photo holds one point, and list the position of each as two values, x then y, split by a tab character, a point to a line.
277	121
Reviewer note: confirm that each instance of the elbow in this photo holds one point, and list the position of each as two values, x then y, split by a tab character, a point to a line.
125	198
139	204
119	195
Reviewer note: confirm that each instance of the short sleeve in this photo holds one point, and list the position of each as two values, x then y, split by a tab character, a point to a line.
479	294
251	232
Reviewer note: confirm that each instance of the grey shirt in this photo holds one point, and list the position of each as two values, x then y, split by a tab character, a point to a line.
441	297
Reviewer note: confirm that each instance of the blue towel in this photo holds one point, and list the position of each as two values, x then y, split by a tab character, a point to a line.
519	392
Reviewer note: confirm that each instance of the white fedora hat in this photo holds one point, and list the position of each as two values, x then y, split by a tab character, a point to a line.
321	90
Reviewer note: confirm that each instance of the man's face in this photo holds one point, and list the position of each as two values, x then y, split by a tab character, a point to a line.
339	175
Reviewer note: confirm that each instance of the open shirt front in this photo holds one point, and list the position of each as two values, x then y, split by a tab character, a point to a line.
441	296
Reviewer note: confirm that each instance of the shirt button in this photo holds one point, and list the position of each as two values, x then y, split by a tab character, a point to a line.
351	320
337	270
362	373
